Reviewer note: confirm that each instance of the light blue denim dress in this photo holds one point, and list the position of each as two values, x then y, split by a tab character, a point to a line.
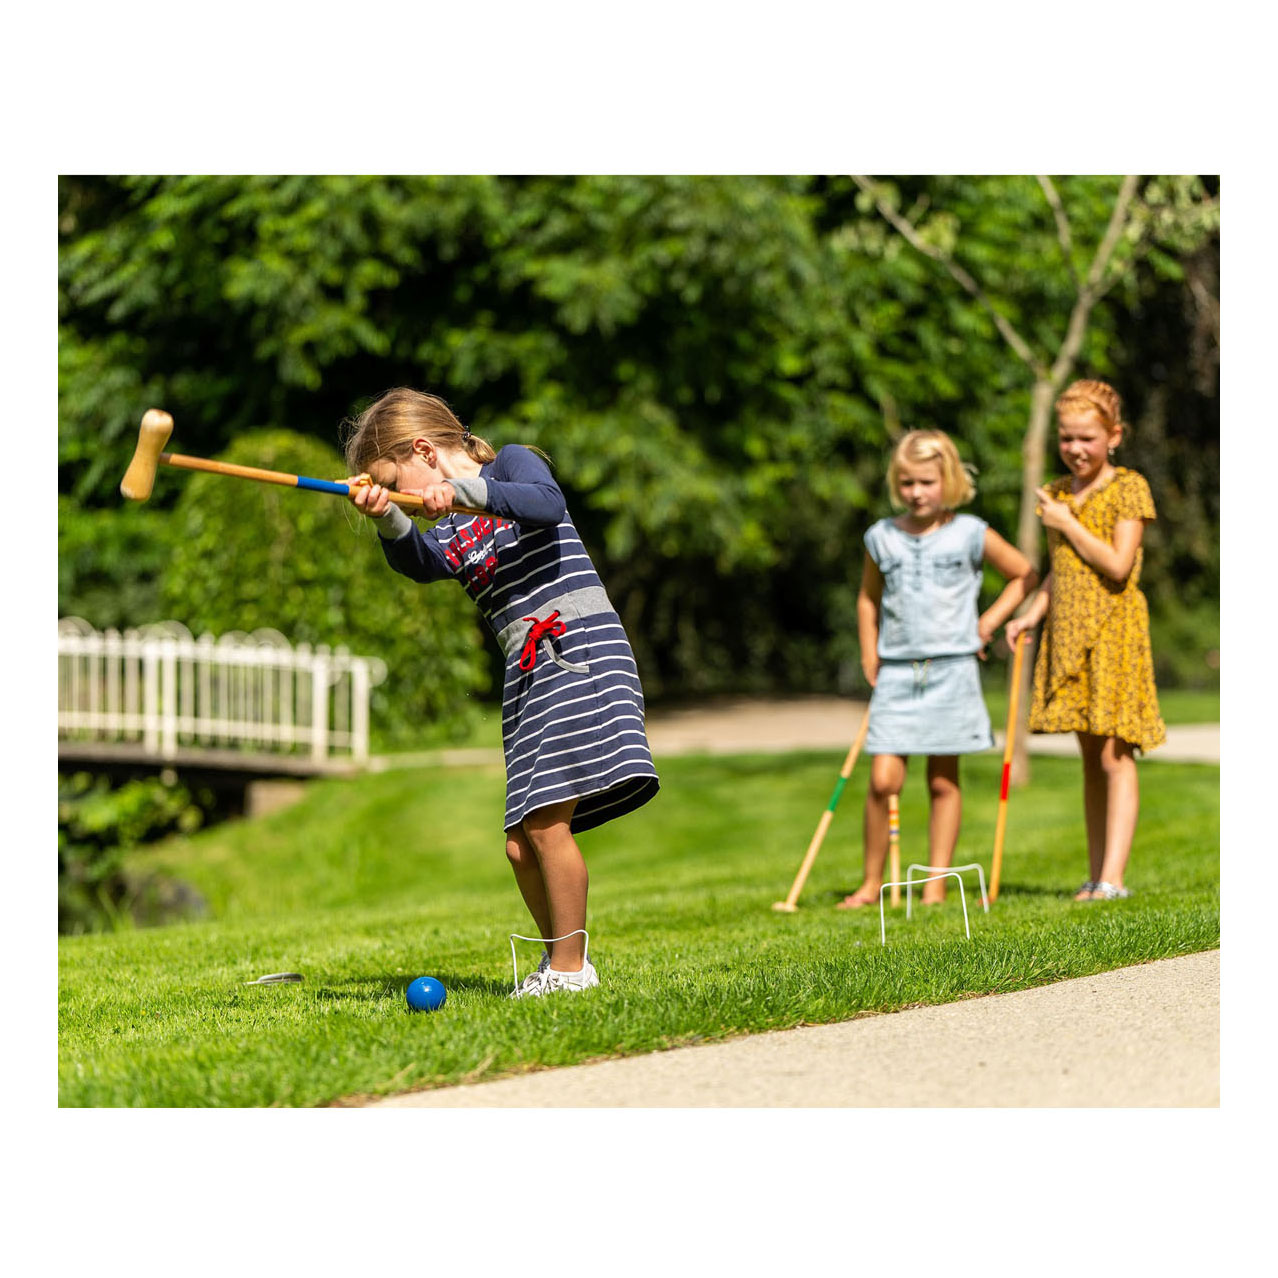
928	696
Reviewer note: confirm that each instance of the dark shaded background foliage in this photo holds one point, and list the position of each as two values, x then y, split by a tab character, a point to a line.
717	367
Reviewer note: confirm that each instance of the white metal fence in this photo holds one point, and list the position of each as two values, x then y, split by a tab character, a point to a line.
162	688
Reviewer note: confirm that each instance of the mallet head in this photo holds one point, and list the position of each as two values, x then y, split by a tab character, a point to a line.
784	906
139	479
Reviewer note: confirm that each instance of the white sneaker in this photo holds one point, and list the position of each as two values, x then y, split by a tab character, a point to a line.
532	982
550	982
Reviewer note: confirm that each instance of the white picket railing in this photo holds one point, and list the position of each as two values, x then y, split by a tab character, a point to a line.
162	688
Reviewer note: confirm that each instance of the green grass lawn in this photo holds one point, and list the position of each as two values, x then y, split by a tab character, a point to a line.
1178	706
366	884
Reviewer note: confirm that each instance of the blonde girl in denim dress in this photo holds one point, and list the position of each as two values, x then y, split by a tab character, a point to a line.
921	641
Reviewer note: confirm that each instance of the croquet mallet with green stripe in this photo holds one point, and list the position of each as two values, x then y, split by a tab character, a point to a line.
791	902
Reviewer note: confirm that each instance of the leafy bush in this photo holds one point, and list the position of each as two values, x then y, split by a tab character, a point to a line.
1186	643
109	562
97	824
244	556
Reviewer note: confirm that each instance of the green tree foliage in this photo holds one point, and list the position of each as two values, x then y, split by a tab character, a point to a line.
717	366
97	824
246	556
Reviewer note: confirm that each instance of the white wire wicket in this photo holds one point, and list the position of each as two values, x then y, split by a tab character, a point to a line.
161	687
938	869
944	873
545	940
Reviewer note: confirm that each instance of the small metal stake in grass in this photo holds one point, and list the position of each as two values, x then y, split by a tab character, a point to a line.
277	978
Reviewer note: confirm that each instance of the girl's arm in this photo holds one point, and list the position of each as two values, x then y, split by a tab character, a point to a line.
1032	615
1114	561
407	551
1021	578
867	618
526	494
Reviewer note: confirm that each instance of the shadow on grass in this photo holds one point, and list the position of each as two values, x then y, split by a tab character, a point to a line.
357	988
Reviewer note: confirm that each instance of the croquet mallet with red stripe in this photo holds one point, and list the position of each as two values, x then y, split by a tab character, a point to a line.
157	426
1001	824
791	902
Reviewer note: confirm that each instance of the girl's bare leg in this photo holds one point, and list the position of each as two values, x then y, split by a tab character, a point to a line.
1095	803
1118	759
944	818
532	887
887	776
566	880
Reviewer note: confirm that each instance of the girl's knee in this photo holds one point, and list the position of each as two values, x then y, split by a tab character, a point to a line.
1117	757
544	833
517	850
887	776
942	775
942	787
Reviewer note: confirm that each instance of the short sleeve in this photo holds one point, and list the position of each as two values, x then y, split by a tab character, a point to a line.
874	542
976	541
1133	500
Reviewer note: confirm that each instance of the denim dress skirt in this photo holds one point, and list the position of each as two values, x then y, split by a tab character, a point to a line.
929	707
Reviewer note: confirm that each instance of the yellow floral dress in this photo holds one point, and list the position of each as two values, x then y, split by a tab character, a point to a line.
1095	671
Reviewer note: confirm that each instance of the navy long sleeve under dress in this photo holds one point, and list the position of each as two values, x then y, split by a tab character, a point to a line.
572	706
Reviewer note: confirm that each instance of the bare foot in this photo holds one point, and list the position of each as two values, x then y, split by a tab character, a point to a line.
861	897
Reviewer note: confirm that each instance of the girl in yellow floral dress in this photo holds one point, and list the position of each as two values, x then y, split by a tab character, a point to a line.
1094	675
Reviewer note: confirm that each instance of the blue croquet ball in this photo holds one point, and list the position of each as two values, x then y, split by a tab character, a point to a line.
426	994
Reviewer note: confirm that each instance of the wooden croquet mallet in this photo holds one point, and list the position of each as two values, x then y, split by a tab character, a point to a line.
1000	824
894	847
157	426
791	902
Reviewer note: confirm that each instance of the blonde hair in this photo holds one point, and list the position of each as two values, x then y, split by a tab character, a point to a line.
388	426
1095	397
915	446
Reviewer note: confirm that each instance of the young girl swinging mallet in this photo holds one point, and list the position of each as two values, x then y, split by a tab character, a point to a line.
572	710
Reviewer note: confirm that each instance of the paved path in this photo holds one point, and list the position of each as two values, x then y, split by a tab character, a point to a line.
734	725
819	723
1140	1036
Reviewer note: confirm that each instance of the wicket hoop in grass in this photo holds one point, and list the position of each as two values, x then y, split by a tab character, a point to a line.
790	904
1001	824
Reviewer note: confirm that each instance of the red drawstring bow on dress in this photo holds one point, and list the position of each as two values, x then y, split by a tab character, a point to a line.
551	628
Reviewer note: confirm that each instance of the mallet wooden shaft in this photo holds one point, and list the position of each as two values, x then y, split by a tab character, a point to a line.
1000	824
157	426
407	501
894	848
790	904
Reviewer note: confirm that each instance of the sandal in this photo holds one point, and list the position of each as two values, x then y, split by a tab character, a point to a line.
1110	892
1086	892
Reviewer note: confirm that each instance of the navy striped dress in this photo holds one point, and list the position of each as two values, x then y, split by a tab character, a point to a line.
572	705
